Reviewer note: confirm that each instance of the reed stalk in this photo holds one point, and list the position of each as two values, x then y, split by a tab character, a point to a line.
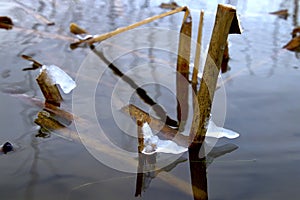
135	25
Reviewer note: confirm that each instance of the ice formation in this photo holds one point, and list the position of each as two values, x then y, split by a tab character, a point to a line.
218	132
152	144
59	77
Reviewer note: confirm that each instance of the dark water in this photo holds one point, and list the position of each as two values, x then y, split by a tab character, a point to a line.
261	88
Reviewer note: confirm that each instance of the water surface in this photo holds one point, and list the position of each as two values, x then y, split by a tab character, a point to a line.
262	90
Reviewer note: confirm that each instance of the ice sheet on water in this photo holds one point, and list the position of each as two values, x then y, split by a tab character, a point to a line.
155	145
59	77
152	143
218	132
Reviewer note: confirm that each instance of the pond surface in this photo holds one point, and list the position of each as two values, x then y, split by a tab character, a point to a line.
259	99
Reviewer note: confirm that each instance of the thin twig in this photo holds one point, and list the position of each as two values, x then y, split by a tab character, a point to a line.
132	26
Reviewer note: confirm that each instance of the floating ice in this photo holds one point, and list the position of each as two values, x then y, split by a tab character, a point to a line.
152	144
155	145
58	76
218	132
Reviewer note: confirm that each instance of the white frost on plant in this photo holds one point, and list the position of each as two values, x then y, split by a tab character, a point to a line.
57	76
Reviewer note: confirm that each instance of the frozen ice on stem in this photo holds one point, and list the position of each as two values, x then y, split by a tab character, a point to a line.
152	143
59	77
218	132
155	145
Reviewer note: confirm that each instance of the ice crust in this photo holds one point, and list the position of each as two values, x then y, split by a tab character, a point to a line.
152	143
57	76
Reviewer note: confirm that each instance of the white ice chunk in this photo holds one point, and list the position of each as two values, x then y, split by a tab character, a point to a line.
168	146
59	77
154	145
218	132
147	132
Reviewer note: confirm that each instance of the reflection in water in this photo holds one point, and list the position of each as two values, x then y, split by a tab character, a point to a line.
34	176
146	170
295	20
247	52
197	164
5	73
90	14
232	2
145	177
218	151
20	87
198	173
146	4
198	168
295	14
116	9
141	92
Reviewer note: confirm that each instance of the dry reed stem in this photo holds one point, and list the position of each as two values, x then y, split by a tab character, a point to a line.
132	26
183	64
226	18
198	52
50	91
156	124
